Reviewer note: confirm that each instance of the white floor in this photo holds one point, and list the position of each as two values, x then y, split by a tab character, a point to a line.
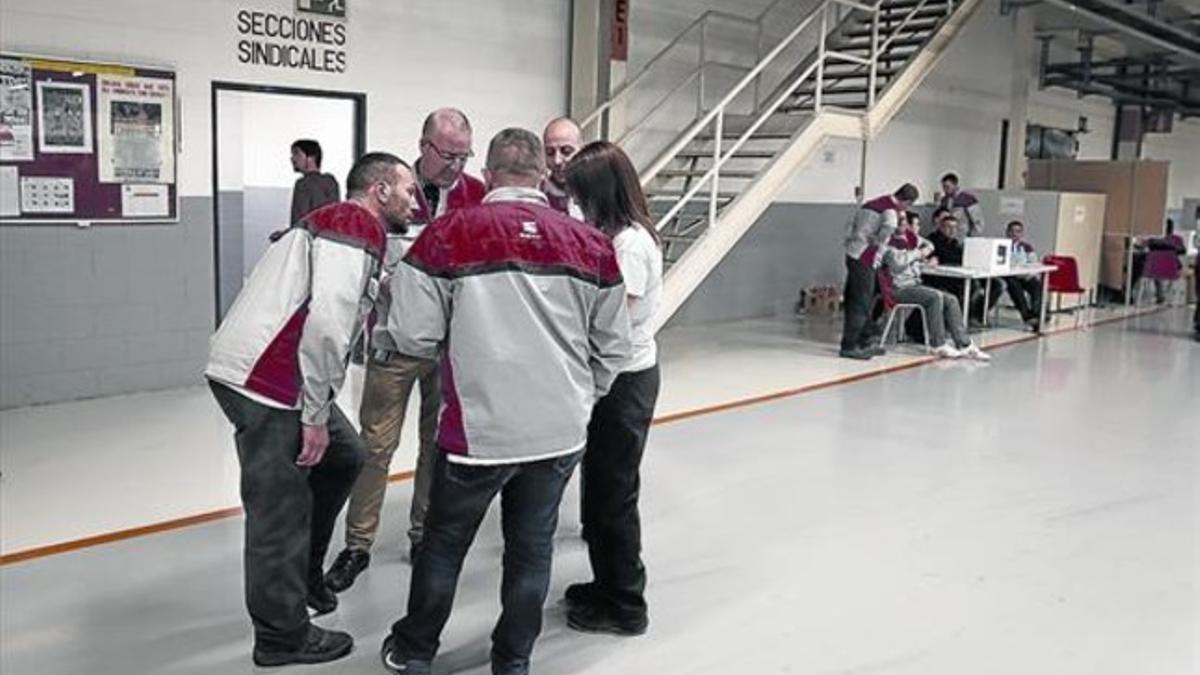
147	458
1040	515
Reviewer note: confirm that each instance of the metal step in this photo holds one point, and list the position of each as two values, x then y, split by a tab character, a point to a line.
913	26
758	136
725	173
701	196
857	45
849	71
740	154
809	106
894	17
895	5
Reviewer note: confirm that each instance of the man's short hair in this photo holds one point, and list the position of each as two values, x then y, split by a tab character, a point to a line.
371	168
451	116
516	152
309	148
939	213
1013	223
950	178
907	193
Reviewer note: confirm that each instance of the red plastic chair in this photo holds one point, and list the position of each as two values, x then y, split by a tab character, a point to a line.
1161	265
1064	279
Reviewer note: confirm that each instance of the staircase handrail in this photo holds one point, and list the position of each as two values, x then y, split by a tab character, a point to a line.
625	89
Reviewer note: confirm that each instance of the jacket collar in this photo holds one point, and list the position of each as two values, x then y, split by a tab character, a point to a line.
516	194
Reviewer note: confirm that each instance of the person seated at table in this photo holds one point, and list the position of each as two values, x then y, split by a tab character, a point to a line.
1025	290
903	258
1172	243
948	248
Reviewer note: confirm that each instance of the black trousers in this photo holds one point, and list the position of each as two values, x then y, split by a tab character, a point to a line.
857	299
1026	294
611	485
290	510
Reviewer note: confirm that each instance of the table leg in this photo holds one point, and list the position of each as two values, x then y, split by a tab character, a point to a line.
987	293
966	307
1045	292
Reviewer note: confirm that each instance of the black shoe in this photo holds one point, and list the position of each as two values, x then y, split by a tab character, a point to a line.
349	564
856	353
398	664
591	619
875	350
321	599
581	594
320	646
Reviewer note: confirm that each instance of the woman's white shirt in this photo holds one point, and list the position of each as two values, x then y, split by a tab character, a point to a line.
640	261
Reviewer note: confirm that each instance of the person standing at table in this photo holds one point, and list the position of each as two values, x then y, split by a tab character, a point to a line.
603	180
962	205
867	234
1026	289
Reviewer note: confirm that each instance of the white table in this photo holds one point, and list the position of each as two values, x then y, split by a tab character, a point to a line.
968	275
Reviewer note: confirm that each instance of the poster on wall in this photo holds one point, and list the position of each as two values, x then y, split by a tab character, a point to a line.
47	194
65	118
137	129
16	111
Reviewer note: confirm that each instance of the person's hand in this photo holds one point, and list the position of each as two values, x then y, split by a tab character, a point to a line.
315	441
932	261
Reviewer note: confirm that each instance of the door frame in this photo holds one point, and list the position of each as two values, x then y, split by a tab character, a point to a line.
359	99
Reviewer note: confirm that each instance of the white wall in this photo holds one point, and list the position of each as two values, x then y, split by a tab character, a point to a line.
1181	147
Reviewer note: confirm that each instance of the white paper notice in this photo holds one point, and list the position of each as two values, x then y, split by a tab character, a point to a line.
1012	206
47	195
1080	214
142	201
10	191
16	111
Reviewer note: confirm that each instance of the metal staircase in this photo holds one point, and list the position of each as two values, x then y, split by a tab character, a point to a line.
843	69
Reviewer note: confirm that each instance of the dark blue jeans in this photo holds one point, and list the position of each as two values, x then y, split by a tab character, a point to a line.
530	494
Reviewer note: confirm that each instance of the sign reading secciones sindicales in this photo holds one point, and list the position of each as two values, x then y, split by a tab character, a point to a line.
314	38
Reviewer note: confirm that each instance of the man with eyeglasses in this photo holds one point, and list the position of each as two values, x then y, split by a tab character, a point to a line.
561	140
442	187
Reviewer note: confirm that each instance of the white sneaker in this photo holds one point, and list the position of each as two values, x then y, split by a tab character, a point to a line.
973	352
947	351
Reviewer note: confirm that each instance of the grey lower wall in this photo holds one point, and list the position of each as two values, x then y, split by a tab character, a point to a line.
109	309
264	210
792	246
231	204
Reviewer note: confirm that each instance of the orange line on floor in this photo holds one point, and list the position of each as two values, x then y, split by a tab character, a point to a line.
143	531
180	523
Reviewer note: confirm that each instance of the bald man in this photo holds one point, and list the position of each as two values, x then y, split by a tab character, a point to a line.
442	187
561	140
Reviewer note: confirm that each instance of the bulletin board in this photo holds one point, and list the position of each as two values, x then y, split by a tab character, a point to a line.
86	142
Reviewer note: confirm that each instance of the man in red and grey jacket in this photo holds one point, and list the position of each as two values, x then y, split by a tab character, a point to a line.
526	309
962	205
275	366
561	139
867	235
391	376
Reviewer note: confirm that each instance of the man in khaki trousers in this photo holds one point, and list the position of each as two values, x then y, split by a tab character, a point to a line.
442	187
